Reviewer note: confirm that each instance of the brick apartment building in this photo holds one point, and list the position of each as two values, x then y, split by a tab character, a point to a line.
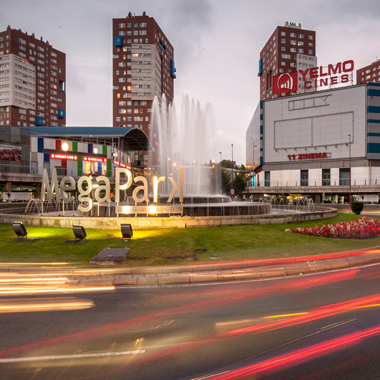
143	67
368	74
32	81
288	49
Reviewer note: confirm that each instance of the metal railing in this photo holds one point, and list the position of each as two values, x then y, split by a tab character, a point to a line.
318	182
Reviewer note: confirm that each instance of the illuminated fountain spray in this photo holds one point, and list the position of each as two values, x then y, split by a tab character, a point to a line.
189	144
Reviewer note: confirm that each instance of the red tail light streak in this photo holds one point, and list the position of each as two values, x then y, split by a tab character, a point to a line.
299	356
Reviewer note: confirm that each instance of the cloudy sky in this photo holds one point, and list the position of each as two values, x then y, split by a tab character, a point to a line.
216	45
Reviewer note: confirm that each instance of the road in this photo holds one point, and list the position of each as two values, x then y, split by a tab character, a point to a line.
322	326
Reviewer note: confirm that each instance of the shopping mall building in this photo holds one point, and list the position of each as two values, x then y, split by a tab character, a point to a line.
323	144
73	151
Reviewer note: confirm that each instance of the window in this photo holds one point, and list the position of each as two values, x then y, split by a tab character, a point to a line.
300	43
326	175
293	50
283	40
282	63
285	56
267	179
121	25
283	34
282	48
310	38
300	36
304	177
300	50
293	42
310	51
310	44
143	25
344	177
293	35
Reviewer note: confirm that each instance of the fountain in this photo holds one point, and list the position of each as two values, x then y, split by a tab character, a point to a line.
188	144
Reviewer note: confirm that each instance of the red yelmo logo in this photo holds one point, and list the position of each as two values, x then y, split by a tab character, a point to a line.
285	83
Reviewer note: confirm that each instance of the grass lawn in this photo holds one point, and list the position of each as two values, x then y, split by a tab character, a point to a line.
174	246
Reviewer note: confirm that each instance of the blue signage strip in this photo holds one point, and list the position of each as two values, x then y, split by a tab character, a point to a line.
260	67
173	69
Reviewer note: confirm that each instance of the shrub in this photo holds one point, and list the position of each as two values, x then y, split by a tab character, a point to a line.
357	207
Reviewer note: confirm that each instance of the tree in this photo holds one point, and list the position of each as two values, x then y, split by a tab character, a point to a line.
239	184
214	178
226	182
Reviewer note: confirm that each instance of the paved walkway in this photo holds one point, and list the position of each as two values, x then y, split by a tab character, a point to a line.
63	278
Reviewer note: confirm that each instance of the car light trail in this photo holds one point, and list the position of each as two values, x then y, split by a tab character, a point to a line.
29	290
44	304
285	315
66	357
300	356
322	312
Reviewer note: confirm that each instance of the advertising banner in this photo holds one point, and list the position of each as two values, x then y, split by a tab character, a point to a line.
16	196
10	153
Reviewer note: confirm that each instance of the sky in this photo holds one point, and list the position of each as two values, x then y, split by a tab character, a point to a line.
216	44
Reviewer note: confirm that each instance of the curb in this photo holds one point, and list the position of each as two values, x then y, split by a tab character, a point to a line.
184	268
202	273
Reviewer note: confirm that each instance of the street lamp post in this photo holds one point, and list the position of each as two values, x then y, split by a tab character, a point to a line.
349	160
232	171
253	156
220	166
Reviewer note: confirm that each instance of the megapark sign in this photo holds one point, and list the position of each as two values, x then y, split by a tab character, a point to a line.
85	187
313	77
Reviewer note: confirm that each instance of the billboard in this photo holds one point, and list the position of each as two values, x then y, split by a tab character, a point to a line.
10	153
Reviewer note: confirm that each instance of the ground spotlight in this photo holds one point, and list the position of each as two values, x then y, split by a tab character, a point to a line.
20	231
79	232
80	235
126	231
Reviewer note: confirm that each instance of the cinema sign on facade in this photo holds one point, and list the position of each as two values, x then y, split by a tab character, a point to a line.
102	193
315	77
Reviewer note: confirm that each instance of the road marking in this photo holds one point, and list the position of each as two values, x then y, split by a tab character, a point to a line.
337	324
208	376
78	356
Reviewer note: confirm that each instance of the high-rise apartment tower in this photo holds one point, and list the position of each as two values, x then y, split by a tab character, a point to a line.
32	81
143	67
370	73
289	49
